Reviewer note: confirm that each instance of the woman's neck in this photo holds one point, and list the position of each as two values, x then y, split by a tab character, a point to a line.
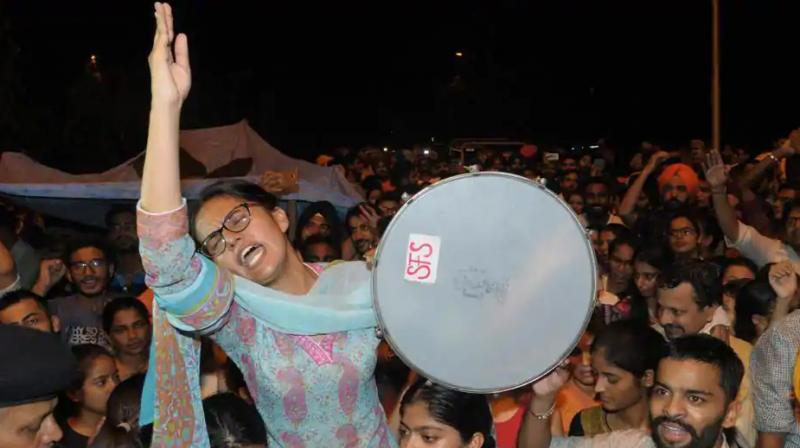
85	423
296	278
587	389
129	365
634	417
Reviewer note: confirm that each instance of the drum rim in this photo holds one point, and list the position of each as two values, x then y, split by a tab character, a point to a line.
386	334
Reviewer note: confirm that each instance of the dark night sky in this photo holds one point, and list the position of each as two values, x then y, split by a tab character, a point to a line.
312	75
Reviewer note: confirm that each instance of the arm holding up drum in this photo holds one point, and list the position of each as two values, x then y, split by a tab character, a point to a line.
535	431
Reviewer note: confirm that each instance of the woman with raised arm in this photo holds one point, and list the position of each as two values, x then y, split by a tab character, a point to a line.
303	337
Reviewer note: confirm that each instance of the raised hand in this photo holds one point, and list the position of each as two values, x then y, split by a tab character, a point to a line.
656	160
369	215
783	280
170	73
716	172
51	271
550	384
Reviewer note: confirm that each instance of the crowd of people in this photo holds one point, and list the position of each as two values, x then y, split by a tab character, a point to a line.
225	329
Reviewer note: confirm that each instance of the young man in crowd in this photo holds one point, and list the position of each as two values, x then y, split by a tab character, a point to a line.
597	196
319	249
677	188
746	239
127	324
129	274
693	402
89	270
26	309
689	299
363	230
35	368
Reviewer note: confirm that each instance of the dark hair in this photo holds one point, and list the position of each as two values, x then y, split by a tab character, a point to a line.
689	216
788	206
702	275
115	437
631	345
755	298
85	354
739	261
118	209
236	188
597	181
356	212
15	297
319	239
466	413
328	211
125	402
654	255
619	231
710	350
122	303
624	240
232	422
121	428
82	243
8	220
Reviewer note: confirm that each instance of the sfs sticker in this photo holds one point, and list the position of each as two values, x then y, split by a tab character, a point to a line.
422	258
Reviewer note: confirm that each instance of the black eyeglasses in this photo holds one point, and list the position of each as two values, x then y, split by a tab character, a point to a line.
235	221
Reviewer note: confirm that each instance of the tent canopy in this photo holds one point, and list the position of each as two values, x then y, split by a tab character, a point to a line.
207	155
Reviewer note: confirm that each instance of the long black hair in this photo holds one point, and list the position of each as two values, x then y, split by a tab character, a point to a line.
466	413
756	298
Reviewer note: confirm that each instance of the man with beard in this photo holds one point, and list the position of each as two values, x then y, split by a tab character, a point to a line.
597	196
677	188
126	322
129	275
692	404
746	239
362	222
89	271
568	183
689	298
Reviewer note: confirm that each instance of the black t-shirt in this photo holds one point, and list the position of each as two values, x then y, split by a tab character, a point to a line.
72	439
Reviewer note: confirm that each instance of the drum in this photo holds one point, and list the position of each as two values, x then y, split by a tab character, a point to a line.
484	282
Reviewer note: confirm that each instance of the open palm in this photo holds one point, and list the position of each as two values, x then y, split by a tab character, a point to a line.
170	74
716	172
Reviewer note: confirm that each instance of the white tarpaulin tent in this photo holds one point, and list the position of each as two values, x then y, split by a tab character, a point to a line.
234	151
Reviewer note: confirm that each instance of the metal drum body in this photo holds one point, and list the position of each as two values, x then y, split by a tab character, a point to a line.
484	282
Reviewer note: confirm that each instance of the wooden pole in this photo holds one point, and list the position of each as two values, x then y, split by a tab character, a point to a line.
715	91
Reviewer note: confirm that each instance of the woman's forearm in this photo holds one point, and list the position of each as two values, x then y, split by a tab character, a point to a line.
161	182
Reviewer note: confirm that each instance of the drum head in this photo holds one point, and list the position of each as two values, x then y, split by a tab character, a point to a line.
484	282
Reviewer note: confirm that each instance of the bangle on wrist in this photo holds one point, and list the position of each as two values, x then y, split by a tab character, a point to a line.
719	190
773	157
549	413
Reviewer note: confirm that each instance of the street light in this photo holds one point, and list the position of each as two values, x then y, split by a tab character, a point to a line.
459	54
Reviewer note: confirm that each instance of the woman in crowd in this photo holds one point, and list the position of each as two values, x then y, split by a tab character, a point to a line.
87	398
303	338
649	263
433	415
625	356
